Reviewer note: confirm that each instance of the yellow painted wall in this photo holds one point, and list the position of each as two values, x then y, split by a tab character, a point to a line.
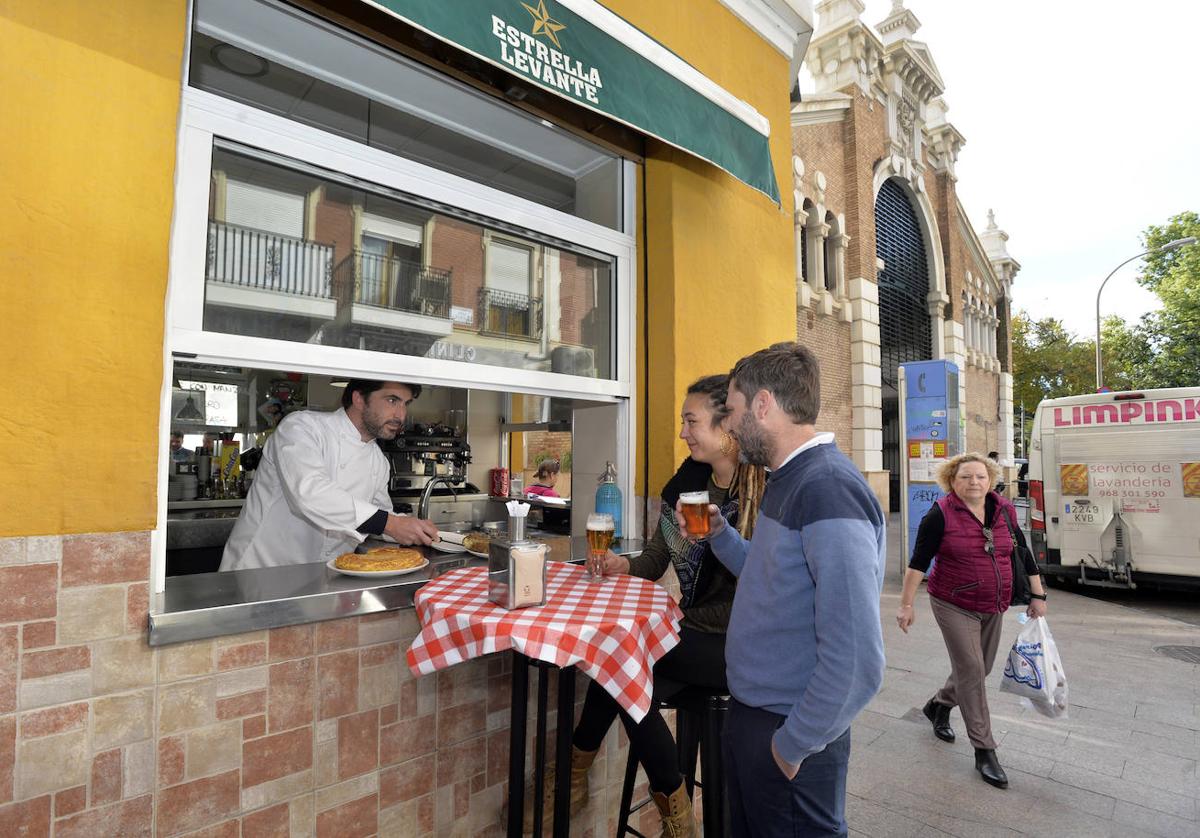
721	264
89	109
89	104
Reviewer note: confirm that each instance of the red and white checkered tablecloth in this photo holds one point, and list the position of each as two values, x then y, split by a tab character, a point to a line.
613	630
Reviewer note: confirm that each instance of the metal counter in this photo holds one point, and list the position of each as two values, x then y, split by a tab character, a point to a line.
214	604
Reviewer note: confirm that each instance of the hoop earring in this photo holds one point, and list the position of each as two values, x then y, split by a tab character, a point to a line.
727	445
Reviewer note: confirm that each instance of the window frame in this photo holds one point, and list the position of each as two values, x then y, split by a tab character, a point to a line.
207	119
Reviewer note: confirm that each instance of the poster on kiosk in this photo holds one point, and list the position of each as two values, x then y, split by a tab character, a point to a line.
929	414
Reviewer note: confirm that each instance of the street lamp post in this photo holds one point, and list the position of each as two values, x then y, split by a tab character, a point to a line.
1172	245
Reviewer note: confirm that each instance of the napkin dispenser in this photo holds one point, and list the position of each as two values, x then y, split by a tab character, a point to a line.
516	568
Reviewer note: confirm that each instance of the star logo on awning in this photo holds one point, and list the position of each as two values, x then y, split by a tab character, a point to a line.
543	24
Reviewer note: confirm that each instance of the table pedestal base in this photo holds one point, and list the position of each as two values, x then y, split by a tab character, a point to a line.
562	747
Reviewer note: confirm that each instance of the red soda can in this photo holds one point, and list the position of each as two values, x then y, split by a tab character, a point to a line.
498	482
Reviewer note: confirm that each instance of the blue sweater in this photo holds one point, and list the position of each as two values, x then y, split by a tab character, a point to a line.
804	638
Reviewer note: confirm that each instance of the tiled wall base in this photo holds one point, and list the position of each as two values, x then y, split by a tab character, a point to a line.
308	730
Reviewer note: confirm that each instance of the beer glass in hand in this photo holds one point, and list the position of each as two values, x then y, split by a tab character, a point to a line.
694	506
600	531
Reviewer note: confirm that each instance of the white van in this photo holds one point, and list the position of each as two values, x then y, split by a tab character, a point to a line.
1114	488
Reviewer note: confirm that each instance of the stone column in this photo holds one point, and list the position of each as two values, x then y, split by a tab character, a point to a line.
816	232
956	352
937	302
840	243
866	397
1007	447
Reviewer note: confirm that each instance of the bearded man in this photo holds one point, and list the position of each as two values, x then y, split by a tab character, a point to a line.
322	485
804	652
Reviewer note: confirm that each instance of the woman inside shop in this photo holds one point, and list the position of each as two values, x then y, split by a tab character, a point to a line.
971	531
706	597
546	477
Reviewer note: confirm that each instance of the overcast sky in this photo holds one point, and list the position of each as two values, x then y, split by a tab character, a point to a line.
1082	122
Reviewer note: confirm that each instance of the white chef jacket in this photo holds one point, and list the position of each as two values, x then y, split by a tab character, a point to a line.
317	482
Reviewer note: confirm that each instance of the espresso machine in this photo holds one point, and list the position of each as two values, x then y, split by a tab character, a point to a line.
423	452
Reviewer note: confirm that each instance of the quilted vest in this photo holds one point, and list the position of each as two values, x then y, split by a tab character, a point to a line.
963	573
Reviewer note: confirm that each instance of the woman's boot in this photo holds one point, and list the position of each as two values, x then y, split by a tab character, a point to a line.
987	765
939	716
676	810
581	761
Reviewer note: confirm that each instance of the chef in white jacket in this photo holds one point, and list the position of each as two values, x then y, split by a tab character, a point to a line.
322	485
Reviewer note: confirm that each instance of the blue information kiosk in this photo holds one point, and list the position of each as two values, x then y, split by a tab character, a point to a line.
929	414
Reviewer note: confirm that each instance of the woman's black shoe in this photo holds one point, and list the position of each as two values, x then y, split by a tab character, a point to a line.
939	714
987	765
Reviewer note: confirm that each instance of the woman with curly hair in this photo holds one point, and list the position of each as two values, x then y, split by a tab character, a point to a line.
972	531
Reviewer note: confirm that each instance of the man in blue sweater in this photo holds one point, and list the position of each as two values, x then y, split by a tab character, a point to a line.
804	653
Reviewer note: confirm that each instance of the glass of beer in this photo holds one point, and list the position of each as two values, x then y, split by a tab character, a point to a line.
600	531
694	506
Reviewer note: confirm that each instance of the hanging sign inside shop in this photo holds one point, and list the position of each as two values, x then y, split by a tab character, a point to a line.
579	50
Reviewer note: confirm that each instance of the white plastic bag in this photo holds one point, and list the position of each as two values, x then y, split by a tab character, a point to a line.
1034	670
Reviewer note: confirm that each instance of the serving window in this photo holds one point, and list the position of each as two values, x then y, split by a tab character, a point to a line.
310	243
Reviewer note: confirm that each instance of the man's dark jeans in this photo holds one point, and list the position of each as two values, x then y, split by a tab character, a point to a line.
763	802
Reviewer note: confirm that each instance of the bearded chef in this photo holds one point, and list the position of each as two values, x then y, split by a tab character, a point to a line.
322	485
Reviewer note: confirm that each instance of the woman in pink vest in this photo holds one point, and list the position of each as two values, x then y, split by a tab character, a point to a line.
970	531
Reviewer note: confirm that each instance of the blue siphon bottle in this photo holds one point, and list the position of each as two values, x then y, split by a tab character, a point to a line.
608	496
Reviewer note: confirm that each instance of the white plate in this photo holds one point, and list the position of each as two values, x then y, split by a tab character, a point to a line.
477	553
448	547
376	574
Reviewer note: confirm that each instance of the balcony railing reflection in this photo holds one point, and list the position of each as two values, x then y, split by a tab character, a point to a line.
371	279
509	314
249	258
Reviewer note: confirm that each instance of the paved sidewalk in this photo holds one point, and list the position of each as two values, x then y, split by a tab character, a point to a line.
1123	763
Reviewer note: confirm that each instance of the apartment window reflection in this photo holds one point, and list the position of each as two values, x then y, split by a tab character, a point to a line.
294	254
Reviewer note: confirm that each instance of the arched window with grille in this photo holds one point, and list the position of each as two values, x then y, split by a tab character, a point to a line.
831	245
806	214
905	332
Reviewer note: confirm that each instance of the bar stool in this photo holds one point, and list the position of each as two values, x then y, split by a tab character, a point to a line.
699	720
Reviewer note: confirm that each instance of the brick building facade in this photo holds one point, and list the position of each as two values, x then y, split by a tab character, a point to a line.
888	266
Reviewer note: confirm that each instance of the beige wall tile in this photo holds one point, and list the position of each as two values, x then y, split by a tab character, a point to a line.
139	768
40	692
185	660
427	696
331	796
43	548
213	749
409	624
12	551
485	810
277	791
122	664
398	821
243	680
326	767
51	763
327	730
187	705
379	629
122	719
378	685
303	816
90	613
232	640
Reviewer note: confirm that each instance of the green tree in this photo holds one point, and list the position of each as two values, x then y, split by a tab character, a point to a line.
1048	361
1163	348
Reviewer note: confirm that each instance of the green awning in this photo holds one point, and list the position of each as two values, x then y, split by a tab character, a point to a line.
581	51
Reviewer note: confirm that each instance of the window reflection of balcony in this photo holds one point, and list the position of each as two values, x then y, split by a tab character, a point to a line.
254	274
386	282
382	300
509	314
